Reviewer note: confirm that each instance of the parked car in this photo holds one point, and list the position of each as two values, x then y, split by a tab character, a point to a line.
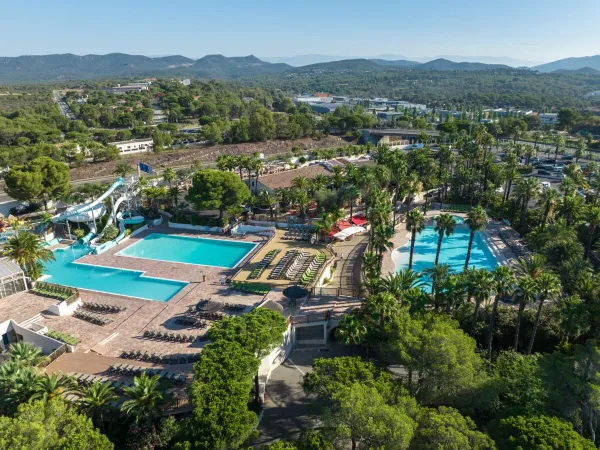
558	168
534	159
545	185
543	172
567	157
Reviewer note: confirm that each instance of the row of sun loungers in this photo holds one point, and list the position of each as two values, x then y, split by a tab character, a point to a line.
171	337
250	288
84	379
52	291
101	307
192	312
179	358
295	235
310	273
296	266
282	265
268	259
132	371
193	322
516	245
96	320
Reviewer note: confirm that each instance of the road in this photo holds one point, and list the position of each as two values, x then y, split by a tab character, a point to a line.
62	105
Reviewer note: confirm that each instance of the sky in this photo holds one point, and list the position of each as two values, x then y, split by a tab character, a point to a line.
532	30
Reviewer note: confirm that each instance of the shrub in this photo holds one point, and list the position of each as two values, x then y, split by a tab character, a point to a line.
110	232
78	233
63	337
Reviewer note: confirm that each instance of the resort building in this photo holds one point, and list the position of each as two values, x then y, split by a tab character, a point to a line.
281	180
134	146
548	118
394	137
133	87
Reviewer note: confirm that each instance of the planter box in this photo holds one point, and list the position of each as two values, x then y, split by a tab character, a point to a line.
154	222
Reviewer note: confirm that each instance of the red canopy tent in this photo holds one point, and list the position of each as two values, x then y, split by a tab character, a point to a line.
359	220
341	225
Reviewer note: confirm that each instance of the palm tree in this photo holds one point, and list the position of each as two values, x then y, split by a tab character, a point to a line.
401	281
381	306
415	222
527	188
381	240
18	384
351	331
560	145
476	220
548	286
169	176
413	187
481	286
269	200
504	282
319	182
123	169
226	162
26	354
351	194
581	148
549	200
593	218
537	137
444	224
438	275
527	288
145	399
301	182
27	250
52	386
96	400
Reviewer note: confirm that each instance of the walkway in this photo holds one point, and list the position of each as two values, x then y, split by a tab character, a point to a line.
347	276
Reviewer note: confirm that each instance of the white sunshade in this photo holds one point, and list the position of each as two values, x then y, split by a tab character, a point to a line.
347	232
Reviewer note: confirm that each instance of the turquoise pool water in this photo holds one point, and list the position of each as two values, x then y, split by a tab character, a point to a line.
66	271
458	220
189	250
453	253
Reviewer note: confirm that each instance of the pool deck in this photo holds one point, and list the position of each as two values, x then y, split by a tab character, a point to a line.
490	236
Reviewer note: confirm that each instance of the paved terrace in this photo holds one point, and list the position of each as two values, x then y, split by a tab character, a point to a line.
126	328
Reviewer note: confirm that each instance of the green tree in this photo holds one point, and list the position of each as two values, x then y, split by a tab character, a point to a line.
261	126
361	416
538	433
476	220
444	225
213	189
548	288
415	222
48	426
260	331
527	188
212	133
504	284
446	428
96	401
169	176
222	383
145	399
123	169
28	251
53	386
41	179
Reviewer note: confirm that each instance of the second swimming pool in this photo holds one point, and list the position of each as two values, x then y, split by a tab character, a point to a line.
453	252
190	250
67	272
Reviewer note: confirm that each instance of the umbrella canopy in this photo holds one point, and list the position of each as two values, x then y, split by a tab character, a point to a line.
348	232
295	292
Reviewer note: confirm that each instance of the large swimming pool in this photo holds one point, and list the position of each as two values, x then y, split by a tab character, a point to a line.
67	272
189	250
453	253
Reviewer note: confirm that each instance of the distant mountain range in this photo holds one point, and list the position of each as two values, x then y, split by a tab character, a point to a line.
304	60
65	67
585	62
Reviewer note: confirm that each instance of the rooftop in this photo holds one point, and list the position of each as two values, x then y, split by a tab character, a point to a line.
132	141
284	179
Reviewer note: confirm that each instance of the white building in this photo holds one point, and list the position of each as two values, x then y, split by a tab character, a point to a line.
134	146
186	81
548	118
133	87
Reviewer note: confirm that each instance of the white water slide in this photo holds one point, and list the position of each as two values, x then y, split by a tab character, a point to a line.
88	211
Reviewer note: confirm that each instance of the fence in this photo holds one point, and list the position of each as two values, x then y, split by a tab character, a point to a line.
55	354
311	318
333	291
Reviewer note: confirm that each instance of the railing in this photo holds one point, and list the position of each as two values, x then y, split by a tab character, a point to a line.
337	292
311	318
54	355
